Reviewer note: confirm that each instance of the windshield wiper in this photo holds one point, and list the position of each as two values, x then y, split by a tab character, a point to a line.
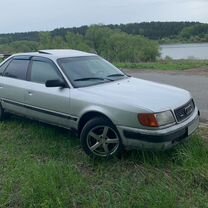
92	78
116	75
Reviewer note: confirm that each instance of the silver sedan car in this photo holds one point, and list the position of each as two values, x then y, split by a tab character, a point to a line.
109	110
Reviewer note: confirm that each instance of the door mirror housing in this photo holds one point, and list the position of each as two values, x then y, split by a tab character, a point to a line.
55	83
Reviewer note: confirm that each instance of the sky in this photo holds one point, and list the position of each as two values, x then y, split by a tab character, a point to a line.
45	15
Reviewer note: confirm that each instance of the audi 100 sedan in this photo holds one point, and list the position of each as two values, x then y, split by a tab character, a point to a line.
109	110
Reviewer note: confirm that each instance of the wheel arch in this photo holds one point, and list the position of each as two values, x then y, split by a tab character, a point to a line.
88	116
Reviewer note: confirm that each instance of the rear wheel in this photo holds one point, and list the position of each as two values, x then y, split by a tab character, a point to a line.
100	138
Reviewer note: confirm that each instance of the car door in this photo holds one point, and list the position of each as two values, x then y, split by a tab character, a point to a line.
48	104
13	82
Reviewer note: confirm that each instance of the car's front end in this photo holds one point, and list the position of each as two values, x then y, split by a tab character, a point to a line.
163	137
147	115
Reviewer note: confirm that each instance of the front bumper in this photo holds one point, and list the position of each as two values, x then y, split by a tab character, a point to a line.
159	139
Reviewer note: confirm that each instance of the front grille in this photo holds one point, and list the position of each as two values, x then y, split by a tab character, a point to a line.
184	111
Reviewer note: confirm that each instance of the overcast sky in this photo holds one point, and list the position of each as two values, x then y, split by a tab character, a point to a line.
33	15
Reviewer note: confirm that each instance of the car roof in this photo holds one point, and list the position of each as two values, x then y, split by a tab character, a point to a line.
57	53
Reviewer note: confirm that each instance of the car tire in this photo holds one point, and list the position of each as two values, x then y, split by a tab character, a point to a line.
100	138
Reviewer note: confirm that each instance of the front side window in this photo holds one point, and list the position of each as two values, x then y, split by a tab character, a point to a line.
43	71
89	70
17	69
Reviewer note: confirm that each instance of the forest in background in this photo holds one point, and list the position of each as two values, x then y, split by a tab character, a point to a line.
134	42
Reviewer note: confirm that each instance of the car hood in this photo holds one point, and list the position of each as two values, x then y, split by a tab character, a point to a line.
140	93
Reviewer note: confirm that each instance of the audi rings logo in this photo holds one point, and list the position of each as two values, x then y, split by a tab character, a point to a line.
188	110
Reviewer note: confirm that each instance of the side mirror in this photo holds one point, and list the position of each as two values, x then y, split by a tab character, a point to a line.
55	83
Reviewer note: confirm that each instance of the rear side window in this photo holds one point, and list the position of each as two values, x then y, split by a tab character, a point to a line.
43	71
17	69
4	66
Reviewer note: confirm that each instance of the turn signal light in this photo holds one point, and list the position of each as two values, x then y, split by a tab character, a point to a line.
149	120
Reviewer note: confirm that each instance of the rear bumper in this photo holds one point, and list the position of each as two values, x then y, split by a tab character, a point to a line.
160	139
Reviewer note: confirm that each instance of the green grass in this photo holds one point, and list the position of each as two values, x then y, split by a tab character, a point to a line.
44	166
165	65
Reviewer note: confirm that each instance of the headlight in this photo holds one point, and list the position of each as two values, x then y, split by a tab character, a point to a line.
156	119
165	118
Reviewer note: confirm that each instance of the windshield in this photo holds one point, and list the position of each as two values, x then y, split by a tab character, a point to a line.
89	70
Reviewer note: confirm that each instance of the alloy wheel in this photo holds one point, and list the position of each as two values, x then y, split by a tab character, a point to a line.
103	141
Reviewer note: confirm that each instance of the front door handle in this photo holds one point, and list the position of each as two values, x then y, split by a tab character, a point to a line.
30	93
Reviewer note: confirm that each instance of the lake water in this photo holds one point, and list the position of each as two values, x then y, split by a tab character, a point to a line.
185	51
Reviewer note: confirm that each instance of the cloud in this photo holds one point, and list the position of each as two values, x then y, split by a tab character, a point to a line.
26	15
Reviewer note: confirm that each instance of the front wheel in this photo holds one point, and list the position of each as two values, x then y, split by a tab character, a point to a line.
100	138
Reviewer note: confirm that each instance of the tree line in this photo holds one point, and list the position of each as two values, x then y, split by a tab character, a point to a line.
114	45
151	30
132	42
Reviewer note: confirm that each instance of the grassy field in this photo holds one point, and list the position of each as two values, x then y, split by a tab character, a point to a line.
44	166
166	65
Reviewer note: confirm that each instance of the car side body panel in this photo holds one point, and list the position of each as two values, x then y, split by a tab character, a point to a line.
48	104
12	93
